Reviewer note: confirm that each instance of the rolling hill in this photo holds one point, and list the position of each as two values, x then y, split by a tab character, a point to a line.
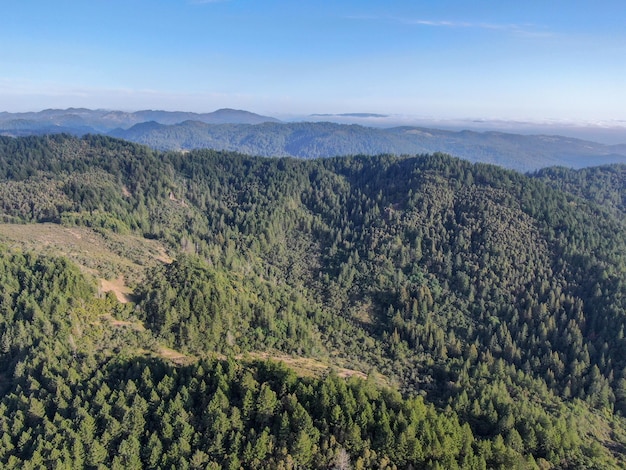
314	140
246	132
79	121
484	306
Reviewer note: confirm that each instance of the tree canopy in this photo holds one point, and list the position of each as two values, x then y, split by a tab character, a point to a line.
490	302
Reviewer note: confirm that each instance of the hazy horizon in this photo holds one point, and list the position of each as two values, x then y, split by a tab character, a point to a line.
445	60
606	132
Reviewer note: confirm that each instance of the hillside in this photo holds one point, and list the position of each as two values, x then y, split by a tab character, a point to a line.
79	121
485	307
324	139
242	131
603	185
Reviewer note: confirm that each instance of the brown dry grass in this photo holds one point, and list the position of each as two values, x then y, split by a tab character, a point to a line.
116	259
118	286
305	366
175	356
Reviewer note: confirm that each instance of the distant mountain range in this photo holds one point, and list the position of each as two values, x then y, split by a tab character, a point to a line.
101	121
246	132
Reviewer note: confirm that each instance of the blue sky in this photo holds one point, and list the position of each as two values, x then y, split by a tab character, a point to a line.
549	59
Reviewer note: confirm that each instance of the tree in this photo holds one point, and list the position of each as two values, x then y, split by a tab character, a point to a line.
342	460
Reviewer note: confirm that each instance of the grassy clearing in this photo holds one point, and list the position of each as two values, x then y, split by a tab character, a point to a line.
123	293
176	357
118	260
309	367
304	366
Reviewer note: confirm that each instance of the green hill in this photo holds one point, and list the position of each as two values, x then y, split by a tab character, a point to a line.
325	139
490	301
242	131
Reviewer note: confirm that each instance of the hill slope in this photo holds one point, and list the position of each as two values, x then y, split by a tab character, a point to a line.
242	131
313	140
80	121
489	297
603	185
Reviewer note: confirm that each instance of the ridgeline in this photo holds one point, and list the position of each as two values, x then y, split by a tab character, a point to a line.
485	307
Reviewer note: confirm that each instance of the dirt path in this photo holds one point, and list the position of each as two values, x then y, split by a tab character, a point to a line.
175	356
305	365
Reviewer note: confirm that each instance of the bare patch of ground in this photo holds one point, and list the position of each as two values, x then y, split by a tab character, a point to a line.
105	255
306	366
118	286
162	256
175	356
135	325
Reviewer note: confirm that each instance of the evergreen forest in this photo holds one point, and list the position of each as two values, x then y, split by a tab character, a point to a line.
392	312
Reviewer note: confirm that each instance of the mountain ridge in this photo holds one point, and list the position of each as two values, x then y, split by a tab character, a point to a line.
102	121
325	139
242	131
491	299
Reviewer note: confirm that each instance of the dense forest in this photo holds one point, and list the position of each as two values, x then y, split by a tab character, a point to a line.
249	133
324	139
485	307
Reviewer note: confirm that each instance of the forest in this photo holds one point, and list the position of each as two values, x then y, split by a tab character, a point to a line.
327	139
480	311
253	134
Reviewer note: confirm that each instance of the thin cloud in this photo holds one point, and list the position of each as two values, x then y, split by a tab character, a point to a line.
24	95
528	30
447	24
202	2
521	29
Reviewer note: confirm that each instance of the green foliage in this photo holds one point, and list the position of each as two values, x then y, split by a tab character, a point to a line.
143	414
603	185
326	139
493	299
197	308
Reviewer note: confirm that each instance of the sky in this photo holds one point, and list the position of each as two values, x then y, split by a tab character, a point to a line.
531	60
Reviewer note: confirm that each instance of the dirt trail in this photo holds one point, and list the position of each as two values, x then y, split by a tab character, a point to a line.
175	356
305	365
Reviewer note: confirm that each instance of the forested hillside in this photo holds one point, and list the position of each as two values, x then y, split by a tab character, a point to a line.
486	308
325	139
242	131
604	185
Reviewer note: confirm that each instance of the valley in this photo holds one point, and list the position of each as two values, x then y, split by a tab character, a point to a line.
241	131
400	311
